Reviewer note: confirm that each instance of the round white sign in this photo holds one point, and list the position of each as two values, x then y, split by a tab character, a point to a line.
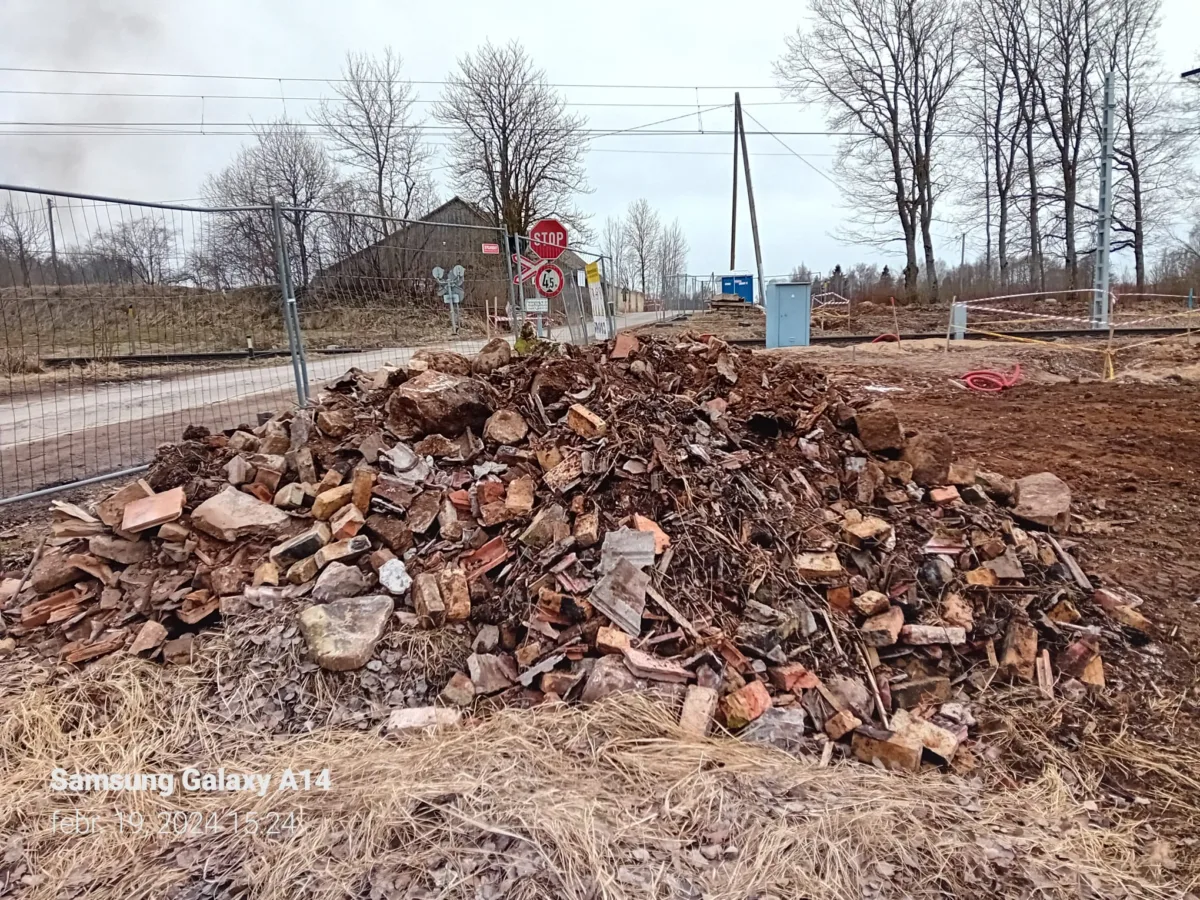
550	281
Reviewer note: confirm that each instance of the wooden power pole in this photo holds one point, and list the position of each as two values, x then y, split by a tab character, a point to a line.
739	133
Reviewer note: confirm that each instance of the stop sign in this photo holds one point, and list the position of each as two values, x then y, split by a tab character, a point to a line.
548	238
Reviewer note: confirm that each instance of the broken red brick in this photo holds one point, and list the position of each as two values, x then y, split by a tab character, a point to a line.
840	724
944	496
891	751
793	677
741	707
346	522
661	539
330	501
625	344
585	423
361	487
883	630
839	598
1019	655
455	593
153	510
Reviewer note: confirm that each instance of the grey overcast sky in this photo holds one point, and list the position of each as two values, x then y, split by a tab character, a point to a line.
626	42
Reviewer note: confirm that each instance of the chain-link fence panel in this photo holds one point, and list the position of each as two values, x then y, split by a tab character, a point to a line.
126	322
123	323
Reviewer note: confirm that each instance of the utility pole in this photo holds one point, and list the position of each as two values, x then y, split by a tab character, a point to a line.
733	215
53	248
1101	304
741	128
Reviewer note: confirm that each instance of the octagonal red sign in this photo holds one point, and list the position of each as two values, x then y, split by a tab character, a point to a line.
548	238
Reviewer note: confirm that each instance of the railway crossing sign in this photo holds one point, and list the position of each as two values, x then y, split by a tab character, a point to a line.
548	238
550	280
451	284
528	267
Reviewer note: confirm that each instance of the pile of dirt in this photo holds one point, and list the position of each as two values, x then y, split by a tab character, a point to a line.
721	529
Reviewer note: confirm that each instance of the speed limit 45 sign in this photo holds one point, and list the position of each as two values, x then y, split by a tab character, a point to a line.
550	280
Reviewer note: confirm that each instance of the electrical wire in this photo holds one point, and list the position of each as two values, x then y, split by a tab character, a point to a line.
274	78
275	98
790	150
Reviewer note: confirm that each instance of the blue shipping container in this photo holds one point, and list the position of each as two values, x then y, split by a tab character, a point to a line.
738	285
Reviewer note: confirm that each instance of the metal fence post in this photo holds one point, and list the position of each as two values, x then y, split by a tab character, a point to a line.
519	298
294	308
583	318
509	249
608	306
287	301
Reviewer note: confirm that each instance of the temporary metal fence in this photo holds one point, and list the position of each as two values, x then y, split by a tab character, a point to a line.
124	322
1134	320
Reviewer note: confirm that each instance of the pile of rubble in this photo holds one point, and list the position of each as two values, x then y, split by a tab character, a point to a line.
722	528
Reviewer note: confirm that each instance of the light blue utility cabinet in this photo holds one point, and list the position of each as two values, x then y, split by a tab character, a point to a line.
789	313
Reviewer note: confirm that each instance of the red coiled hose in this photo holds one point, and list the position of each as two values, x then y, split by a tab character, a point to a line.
992	382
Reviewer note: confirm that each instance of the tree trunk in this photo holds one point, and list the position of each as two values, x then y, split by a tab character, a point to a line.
1139	229
383	223
1002	235
911	269
1070	188
930	264
1037	267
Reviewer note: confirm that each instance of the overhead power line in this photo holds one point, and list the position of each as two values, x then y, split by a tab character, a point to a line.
790	150
277	98
274	78
638	130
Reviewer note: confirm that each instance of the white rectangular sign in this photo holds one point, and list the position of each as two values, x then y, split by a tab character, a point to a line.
537	304
599	319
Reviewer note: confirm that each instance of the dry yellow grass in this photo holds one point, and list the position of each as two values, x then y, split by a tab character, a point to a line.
608	802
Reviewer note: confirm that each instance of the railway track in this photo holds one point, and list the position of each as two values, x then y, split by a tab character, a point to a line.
835	340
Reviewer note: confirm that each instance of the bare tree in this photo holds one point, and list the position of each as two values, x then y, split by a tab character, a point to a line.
284	162
209	264
672	260
1024	70
643	230
1065	82
885	71
373	132
23	237
342	236
612	245
515	150
1151	148
1001	104
931	29
139	249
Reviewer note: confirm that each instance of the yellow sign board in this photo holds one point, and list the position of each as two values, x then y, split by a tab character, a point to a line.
593	272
